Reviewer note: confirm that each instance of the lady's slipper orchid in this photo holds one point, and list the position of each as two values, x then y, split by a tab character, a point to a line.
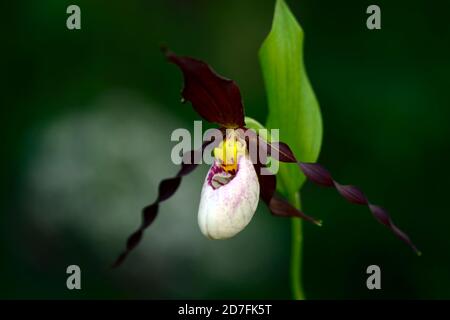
230	192
234	183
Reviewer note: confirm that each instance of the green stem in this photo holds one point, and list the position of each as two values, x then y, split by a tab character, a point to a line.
296	251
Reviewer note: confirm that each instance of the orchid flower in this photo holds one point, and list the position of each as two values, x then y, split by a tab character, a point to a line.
234	183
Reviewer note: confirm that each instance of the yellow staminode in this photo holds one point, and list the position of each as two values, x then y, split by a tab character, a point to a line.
228	153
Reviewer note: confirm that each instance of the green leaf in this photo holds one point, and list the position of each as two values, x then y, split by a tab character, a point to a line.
293	107
253	124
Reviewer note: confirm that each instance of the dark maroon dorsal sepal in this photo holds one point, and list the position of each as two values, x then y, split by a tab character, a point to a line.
215	98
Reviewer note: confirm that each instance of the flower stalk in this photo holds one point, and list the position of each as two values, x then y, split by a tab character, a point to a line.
296	252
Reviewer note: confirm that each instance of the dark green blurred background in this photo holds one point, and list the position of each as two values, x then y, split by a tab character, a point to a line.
87	117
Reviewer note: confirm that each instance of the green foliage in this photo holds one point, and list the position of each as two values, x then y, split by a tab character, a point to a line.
293	107
253	124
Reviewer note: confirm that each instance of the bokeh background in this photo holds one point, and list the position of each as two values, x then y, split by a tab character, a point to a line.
86	124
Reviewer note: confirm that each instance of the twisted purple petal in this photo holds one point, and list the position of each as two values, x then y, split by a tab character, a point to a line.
383	217
319	175
316	173
166	189
281	152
